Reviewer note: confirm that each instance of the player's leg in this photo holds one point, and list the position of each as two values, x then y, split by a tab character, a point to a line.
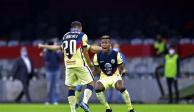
71	82
120	87
87	95
72	98
86	78
78	93
99	89
88	92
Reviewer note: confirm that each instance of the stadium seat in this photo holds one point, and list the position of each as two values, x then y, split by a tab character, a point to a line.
13	43
136	41
185	41
3	43
149	41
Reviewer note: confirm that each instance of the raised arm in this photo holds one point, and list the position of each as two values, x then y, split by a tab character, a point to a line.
50	47
94	48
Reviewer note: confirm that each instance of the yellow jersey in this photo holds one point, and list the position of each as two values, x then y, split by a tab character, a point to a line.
72	46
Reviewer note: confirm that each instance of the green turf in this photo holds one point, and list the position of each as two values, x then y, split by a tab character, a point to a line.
95	108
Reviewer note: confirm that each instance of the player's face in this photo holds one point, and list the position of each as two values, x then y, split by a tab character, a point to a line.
105	44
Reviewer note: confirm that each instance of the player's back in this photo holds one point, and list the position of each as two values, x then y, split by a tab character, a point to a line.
72	45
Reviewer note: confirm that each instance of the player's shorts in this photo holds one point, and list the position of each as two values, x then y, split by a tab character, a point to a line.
110	81
78	76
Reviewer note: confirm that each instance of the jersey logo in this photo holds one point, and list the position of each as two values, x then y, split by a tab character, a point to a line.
113	61
108	68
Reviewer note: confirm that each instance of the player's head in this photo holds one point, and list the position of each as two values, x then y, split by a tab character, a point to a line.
105	42
76	26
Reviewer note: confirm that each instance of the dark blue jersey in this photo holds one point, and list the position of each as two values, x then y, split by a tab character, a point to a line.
108	63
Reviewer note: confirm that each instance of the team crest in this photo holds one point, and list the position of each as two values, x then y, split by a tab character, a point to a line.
113	61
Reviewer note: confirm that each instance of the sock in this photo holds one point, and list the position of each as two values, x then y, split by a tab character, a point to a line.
78	96
126	98
72	100
87	95
102	99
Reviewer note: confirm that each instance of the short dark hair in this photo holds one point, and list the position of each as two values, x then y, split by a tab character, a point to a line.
105	37
76	24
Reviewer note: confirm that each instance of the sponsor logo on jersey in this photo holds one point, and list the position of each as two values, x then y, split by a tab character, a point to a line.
113	61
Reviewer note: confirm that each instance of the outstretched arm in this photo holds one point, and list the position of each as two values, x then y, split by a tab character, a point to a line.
94	48
96	71
50	47
86	55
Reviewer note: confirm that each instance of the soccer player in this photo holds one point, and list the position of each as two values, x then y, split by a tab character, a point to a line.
77	63
92	50
110	66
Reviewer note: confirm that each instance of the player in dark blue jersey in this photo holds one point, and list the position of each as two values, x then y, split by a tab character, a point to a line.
109	64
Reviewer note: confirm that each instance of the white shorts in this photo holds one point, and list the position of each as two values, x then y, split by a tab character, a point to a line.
110	81
78	76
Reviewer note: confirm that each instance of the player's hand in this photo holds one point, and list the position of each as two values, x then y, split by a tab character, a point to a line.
124	74
91	66
40	45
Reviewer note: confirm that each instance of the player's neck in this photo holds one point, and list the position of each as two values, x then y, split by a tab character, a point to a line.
107	51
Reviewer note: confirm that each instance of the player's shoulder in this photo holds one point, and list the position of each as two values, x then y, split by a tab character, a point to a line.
83	34
115	52
64	36
80	34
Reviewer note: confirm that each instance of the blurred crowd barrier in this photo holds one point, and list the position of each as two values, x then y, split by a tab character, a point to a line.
141	90
141	65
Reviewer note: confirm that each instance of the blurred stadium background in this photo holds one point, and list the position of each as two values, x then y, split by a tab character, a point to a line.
133	24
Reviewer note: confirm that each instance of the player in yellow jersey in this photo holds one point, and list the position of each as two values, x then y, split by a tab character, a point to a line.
109	64
77	64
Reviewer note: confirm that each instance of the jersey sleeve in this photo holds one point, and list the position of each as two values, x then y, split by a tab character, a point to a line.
88	47
95	60
61	48
119	59
85	41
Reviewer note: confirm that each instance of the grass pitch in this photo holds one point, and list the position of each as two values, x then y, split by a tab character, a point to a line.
96	108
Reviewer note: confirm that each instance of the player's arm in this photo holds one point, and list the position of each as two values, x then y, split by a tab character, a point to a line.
85	50
94	48
121	67
50	47
97	69
86	55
